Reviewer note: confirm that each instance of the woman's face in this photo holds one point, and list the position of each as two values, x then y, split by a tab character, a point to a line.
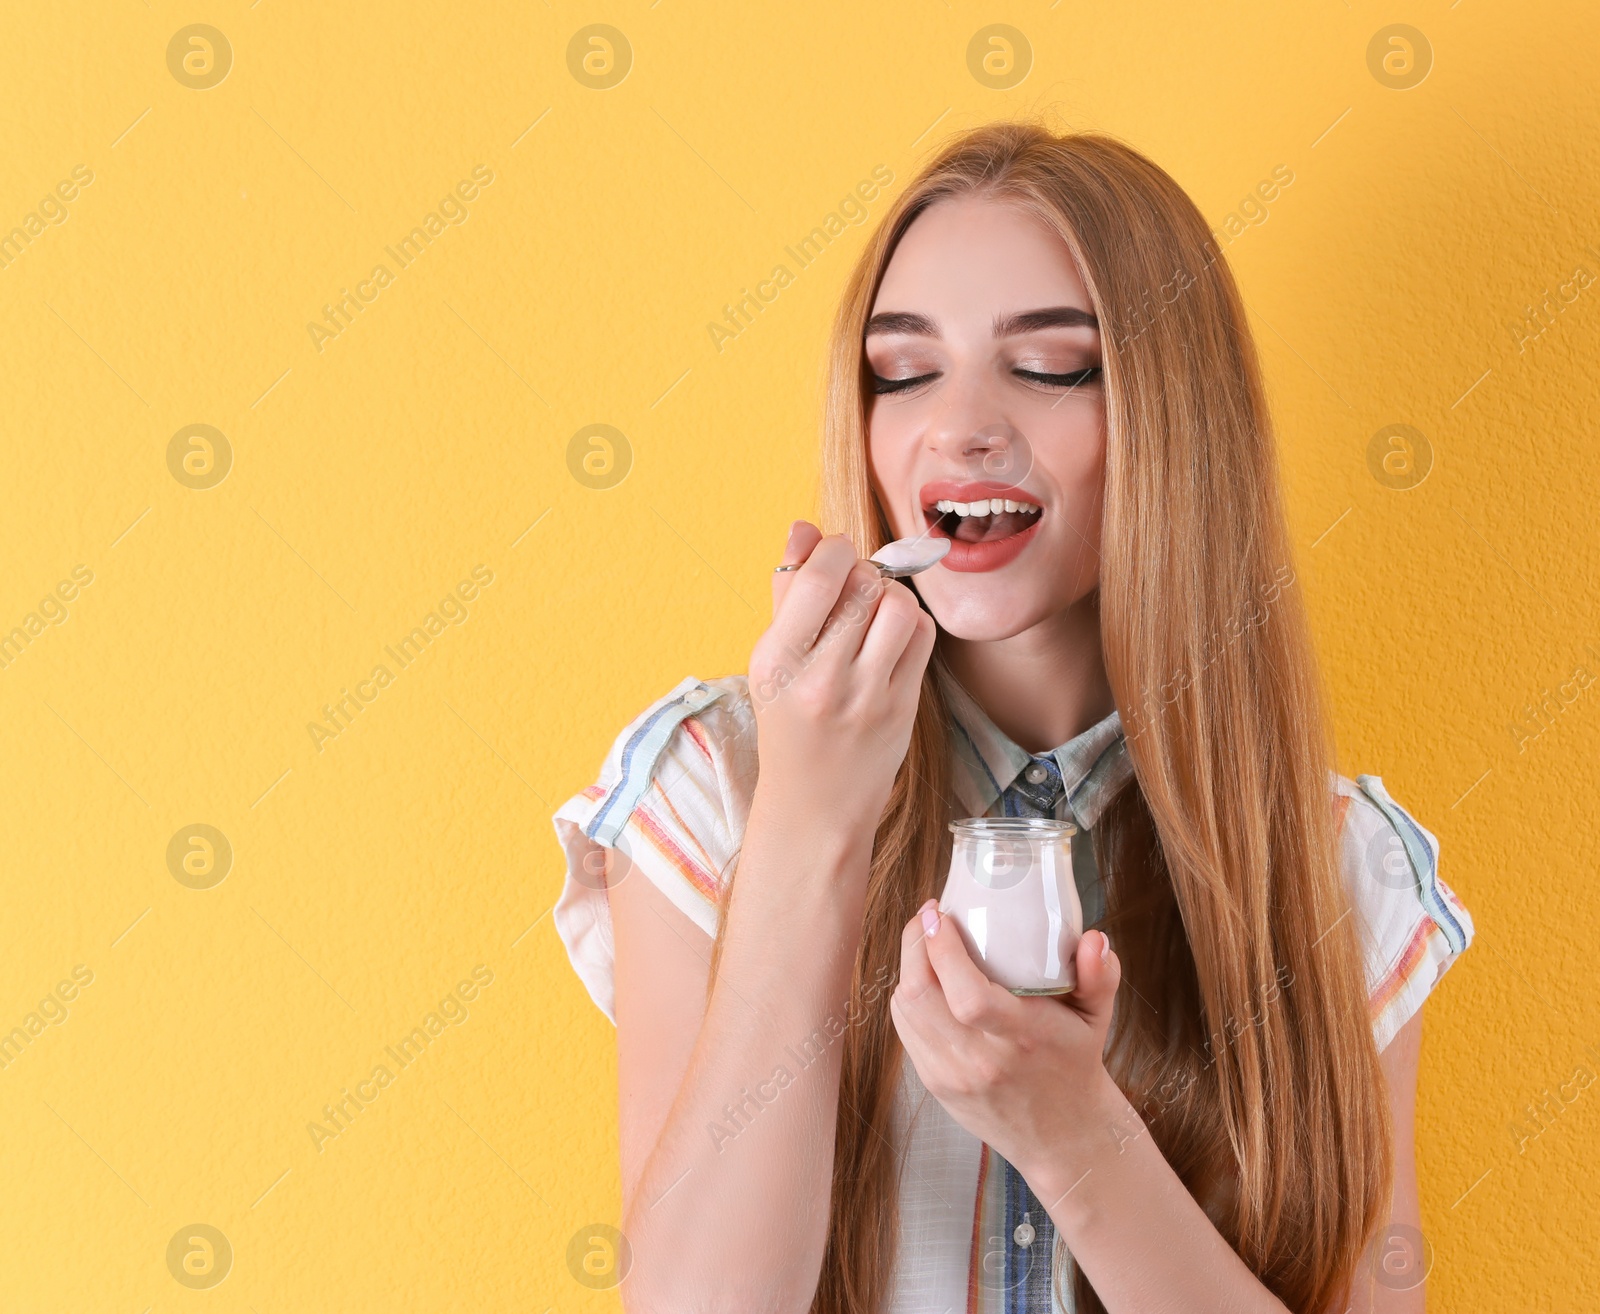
986	357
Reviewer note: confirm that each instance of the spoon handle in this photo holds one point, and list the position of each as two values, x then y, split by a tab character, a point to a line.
888	572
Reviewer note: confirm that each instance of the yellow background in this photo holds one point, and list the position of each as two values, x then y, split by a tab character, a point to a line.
1388	284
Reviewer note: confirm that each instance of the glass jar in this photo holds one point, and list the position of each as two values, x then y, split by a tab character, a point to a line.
1011	892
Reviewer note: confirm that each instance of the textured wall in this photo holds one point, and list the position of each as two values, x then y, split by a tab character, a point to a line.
1431	264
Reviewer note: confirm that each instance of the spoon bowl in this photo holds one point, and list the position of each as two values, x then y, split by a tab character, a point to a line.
910	556
903	557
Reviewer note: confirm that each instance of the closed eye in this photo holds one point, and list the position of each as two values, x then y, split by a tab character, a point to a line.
1075	379
882	385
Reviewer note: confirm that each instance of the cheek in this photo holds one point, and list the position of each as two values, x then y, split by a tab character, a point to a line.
889	456
1067	441
1087	496
1080	470
1089	488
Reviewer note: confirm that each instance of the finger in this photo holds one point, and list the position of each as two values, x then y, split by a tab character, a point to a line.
803	537
914	659
973	1000
811	593
893	625
1099	974
918	999
917	976
842	634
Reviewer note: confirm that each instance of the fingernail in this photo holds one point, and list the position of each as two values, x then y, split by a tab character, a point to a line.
930	920
1105	945
793	530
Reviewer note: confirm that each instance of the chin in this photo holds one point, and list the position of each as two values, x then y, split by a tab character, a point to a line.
983	614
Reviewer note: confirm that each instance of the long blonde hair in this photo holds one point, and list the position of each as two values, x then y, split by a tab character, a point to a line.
1241	1031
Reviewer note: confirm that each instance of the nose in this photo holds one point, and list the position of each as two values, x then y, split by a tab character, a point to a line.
968	403
972	429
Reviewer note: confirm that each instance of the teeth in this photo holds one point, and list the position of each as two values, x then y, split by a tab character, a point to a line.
991	506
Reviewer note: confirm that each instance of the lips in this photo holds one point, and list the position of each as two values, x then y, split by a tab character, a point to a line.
980	543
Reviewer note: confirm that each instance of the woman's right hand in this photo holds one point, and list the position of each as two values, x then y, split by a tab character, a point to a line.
835	682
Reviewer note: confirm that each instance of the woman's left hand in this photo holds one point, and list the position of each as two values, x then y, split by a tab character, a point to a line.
1022	1073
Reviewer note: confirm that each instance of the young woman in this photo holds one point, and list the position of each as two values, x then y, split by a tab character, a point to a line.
824	1104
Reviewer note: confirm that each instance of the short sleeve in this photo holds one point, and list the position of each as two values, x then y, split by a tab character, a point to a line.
1413	927
665	798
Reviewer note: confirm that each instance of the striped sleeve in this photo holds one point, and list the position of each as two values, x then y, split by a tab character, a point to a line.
1413	926
658	808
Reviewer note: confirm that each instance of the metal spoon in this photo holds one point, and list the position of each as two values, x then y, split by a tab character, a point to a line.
903	557
910	556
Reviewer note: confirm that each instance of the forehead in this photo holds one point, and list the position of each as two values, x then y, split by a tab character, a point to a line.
965	258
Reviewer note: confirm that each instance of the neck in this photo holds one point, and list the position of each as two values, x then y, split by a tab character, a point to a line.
1043	686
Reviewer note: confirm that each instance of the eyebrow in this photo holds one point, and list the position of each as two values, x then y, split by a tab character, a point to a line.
1027	321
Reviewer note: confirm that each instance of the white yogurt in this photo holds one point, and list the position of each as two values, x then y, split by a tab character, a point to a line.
1011	893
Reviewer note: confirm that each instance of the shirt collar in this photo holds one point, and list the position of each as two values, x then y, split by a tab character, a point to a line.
1094	765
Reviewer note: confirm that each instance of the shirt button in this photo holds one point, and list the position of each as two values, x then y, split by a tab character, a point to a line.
1036	773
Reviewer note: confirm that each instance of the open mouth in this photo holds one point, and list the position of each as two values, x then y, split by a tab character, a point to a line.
986	520
989	524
